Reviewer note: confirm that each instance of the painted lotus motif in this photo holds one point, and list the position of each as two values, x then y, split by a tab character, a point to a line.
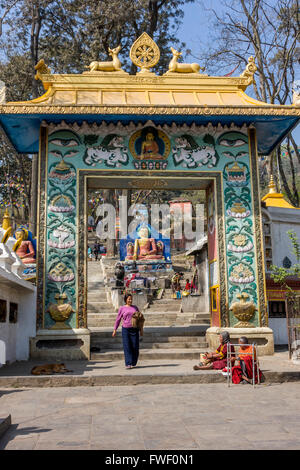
238	211
61	245
61	203
241	274
62	233
240	243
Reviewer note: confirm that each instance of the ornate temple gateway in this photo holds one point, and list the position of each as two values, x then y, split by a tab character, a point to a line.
182	130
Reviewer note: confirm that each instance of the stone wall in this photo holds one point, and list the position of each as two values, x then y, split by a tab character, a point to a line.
17	308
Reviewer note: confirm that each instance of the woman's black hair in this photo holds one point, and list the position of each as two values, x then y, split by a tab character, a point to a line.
244	339
126	297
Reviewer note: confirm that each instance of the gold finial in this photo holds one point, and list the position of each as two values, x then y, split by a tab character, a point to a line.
6	220
144	53
249	70
272	186
41	69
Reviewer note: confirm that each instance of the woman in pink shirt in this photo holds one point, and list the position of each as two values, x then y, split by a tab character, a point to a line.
130	336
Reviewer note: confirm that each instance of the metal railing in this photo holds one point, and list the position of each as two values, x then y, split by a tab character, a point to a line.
292	304
255	363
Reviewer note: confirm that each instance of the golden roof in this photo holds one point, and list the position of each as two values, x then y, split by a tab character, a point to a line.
183	94
183	88
275	199
120	89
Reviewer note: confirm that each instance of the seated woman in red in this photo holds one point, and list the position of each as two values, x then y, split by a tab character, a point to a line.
218	359
243	371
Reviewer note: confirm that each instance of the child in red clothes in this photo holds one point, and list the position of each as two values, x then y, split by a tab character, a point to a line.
188	286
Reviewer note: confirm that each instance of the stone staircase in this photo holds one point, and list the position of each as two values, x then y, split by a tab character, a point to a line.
169	333
157	343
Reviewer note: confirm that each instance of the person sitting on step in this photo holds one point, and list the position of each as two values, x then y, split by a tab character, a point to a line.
243	371
218	358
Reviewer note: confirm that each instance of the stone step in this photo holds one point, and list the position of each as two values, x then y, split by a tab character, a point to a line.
146	343
150	354
97	297
150	323
147	346
164	308
94	288
190	331
97	307
98	289
107	324
150	339
149	317
145	374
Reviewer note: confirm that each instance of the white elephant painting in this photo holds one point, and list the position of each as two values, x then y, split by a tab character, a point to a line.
112	152
189	154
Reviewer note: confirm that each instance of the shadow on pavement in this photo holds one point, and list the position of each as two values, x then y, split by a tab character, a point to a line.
156	365
13	432
6	392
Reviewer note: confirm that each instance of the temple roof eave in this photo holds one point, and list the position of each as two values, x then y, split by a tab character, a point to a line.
22	123
179	98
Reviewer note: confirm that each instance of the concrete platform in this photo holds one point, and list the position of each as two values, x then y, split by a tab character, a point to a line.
277	369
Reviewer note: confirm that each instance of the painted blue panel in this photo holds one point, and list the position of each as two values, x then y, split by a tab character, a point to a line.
23	129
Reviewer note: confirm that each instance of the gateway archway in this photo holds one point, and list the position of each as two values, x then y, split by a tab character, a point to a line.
73	157
179	125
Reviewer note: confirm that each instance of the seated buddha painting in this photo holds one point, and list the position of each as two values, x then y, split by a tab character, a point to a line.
149	144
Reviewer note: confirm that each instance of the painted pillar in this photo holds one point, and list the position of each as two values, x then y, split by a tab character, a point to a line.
61	331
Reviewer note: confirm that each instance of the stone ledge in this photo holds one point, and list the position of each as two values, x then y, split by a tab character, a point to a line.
199	377
262	336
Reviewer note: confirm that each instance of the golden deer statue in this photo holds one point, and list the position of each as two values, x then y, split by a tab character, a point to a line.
174	66
109	66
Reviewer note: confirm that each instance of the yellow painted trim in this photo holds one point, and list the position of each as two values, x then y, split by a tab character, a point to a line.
215	289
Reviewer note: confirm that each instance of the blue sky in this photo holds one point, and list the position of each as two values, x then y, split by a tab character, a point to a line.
195	32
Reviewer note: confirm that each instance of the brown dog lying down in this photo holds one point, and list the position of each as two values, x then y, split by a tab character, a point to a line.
48	369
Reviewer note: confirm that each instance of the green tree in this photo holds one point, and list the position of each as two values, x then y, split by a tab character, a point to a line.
281	274
269	31
68	35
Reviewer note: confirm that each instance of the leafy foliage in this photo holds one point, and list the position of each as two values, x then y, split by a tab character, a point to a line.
280	274
270	32
68	35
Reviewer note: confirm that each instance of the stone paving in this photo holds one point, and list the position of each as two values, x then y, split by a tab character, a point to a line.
153	417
